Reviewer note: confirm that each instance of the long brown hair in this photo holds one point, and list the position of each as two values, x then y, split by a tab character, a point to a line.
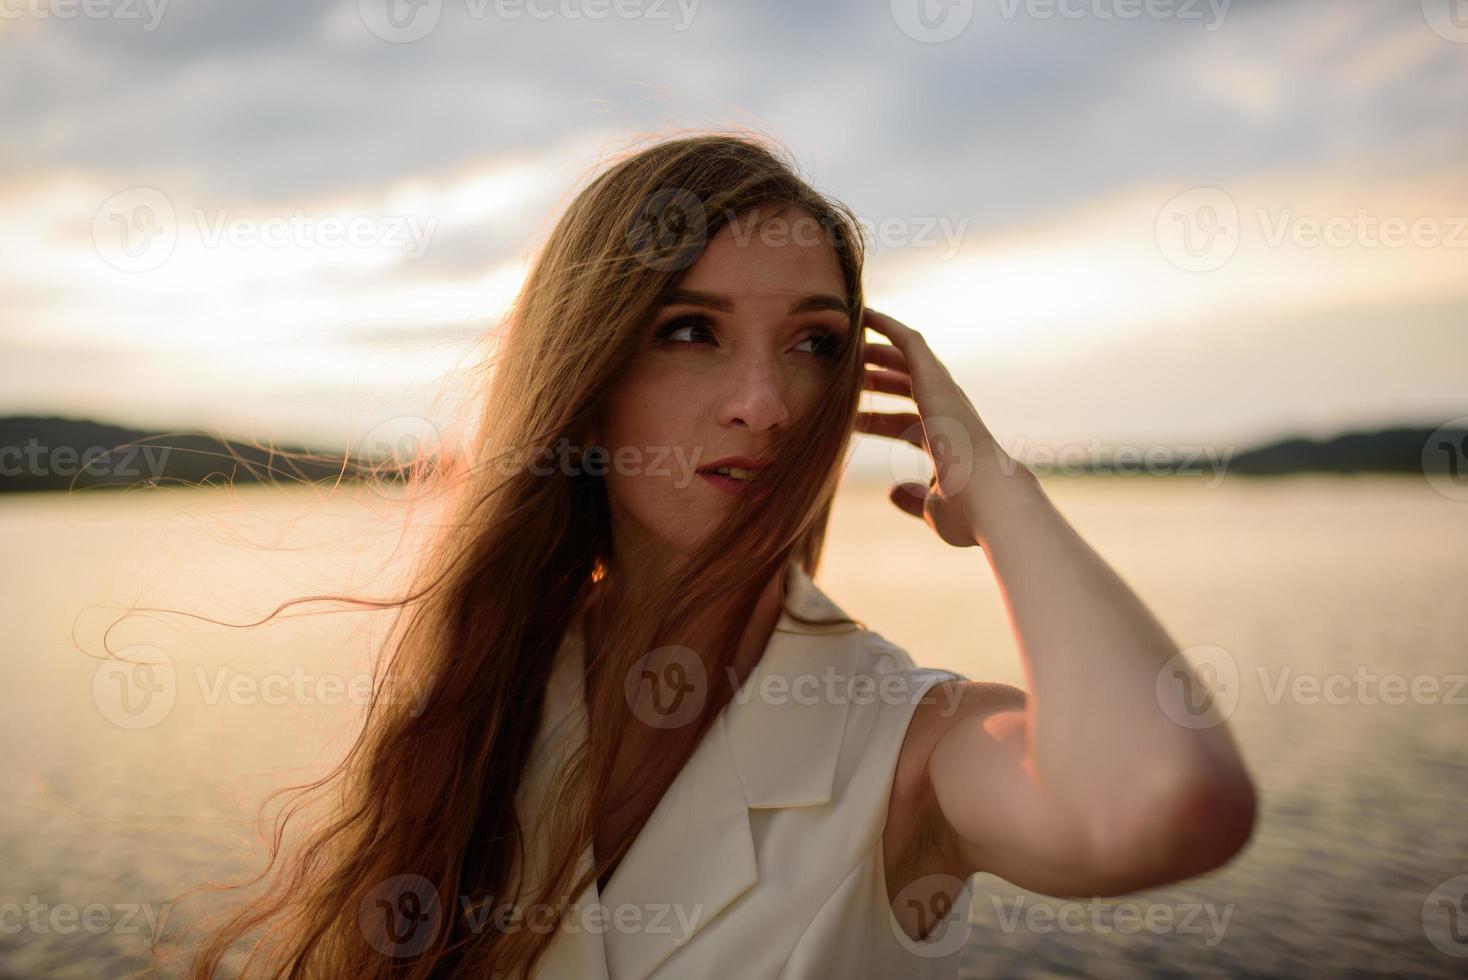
424	793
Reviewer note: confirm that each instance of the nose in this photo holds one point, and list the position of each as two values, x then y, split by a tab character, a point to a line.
756	394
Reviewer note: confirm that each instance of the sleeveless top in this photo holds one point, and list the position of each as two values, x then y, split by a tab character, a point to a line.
763	858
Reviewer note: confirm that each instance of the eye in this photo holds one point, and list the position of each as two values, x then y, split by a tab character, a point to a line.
824	343
678	325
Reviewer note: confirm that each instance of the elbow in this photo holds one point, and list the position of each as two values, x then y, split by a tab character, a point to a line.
1190	829
1210	823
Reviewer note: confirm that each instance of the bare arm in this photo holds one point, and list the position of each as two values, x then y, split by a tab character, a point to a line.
1088	785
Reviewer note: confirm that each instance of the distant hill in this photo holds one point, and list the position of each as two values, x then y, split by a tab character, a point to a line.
54	453
1399	450
48	453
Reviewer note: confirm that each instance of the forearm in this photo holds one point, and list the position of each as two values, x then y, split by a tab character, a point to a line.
1100	744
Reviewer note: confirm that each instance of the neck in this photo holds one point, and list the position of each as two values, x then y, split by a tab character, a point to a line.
753	639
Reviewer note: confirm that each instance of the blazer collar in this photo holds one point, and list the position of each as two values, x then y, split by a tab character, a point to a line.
768	748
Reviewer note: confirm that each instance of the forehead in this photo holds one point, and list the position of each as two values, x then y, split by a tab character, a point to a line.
778	256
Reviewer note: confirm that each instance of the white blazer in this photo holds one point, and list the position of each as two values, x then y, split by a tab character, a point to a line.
763	858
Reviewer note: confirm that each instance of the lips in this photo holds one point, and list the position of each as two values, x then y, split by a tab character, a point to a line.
733	474
738	467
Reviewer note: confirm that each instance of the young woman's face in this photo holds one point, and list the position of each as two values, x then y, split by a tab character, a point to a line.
743	350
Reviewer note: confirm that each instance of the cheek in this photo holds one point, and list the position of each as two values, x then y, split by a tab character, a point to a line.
648	433
650	409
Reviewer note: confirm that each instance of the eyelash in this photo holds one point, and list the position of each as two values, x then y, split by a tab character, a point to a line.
820	336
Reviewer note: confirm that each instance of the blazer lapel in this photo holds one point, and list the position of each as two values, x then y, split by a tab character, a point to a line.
774	744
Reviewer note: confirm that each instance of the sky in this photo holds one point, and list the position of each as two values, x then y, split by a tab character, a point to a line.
1124	222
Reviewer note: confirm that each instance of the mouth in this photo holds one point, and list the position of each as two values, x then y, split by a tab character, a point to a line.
733	476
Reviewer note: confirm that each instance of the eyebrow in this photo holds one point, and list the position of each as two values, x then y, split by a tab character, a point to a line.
806	304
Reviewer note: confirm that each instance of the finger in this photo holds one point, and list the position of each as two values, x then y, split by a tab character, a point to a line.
909	498
893	329
911	344
885	355
895	425
889	382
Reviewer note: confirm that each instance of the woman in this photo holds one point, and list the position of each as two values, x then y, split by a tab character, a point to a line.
626	568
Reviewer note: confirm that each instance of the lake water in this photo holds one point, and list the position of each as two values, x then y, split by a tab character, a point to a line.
1339	601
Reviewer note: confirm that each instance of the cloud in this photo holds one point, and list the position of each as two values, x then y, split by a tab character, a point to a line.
1050	143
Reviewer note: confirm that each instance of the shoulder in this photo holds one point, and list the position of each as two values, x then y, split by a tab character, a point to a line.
917	839
939	699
